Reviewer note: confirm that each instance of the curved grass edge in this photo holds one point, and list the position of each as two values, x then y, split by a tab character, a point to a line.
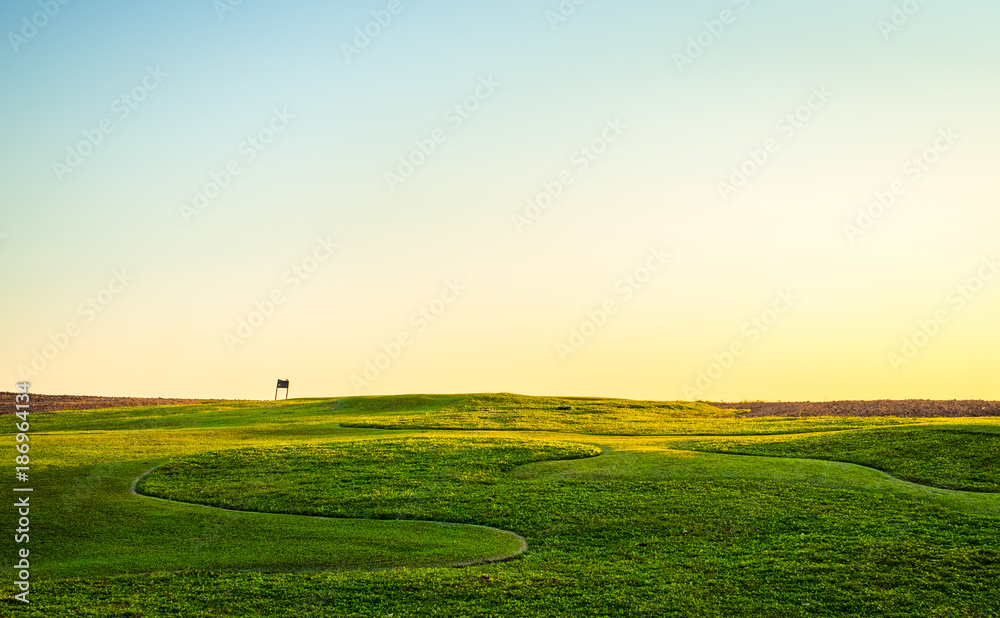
522	543
884	471
689	465
910	454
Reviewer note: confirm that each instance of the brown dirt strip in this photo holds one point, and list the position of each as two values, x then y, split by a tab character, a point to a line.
53	403
912	408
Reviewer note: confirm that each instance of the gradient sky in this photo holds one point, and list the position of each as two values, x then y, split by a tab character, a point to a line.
904	305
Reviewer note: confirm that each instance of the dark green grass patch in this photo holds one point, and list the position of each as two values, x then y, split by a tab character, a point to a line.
949	458
98	528
405	478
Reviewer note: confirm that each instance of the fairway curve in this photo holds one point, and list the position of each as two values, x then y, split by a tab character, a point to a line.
516	546
414	481
690	465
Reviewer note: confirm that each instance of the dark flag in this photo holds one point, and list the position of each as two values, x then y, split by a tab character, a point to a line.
281	384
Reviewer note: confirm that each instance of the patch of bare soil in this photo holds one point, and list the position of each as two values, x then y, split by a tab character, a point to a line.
54	403
921	408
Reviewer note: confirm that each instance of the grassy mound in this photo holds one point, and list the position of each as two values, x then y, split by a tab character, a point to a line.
949	458
586	415
499	412
645	529
408	478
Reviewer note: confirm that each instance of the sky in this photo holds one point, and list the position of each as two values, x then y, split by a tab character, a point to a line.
727	200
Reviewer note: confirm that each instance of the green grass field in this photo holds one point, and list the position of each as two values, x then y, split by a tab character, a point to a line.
501	505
